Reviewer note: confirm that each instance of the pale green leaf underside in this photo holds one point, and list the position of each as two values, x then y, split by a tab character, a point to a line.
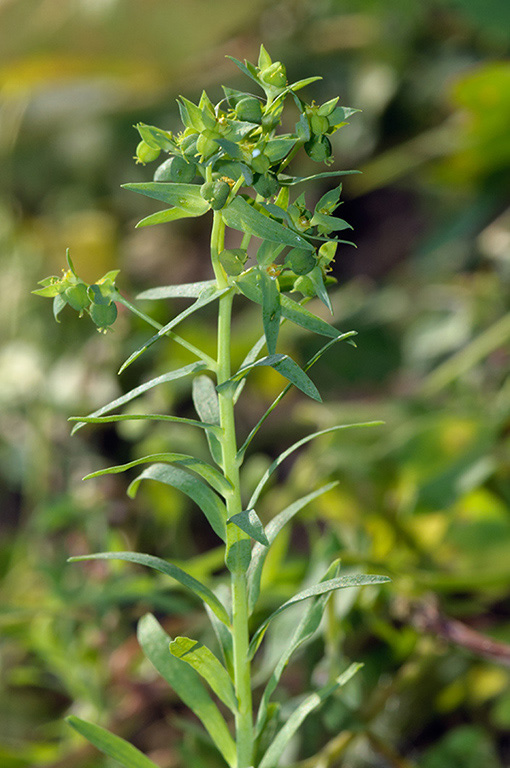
284	365
205	400
215	478
162	217
244	217
185	196
114	746
203	661
208	501
249	522
137	391
186	291
342	582
169	569
186	683
276	749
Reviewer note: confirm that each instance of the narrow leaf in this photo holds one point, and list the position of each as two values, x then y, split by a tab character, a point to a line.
162	217
249	522
273	528
292	724
140	390
206	296
271	310
207	665
185	196
143	417
244	217
208	501
286	367
276	463
187	290
215	478
291	180
169	569
110	744
186	683
205	400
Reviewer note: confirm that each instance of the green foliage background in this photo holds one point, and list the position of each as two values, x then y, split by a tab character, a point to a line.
424	499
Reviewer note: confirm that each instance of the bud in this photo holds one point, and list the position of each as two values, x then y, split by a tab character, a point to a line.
145	153
274	75
175	169
188	146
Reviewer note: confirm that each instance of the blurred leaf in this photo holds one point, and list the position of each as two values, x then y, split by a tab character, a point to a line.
113	746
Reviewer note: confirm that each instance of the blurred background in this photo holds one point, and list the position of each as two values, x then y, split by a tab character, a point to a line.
424	499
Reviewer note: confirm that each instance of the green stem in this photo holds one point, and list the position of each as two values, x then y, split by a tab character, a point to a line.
237	542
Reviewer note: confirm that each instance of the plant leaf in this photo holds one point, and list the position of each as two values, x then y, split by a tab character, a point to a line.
244	217
205	400
137	391
271	310
272	529
341	582
143	417
215	478
206	296
249	522
292	724
286	367
289	181
186	683
187	290
208	501
161	217
207	665
276	463
110	744
169	569
185	196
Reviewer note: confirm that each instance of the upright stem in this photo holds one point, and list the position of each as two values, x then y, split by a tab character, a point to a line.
237	541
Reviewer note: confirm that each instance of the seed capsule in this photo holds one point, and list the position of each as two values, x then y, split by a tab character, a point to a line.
216	193
77	297
145	153
319	124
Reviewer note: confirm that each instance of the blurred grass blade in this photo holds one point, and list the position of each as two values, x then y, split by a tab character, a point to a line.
169	569
186	291
137	391
342	582
215	478
186	683
207	665
208	501
113	746
273	528
284	735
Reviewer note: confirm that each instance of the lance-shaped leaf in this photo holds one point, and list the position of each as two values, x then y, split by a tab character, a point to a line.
208	501
169	569
162	217
291	180
207	665
186	683
184	196
244	217
140	390
304	631
186	291
207	295
144	417
276	463
205	400
273	528
271	310
251	356
249	522
292	724
286	367
342	582
215	478
114	746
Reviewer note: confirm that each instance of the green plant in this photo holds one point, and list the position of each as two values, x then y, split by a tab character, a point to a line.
225	150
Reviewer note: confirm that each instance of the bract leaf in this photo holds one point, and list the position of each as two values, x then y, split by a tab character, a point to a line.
207	295
186	683
191	115
110	744
137	391
273	528
292	724
169	569
184	291
341	582
286	367
208	501
249	522
244	217
205	400
161	217
215	478
207	665
156	137
185	196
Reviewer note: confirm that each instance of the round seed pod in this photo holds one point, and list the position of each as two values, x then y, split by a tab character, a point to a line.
77	296
319	124
249	109
145	153
206	146
300	260
188	146
175	169
318	148
103	315
216	193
